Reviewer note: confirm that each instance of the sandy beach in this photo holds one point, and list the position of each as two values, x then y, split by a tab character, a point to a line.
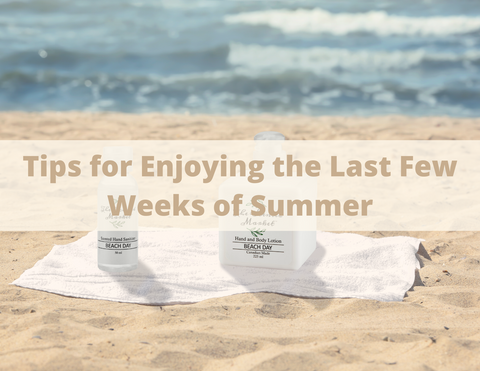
435	327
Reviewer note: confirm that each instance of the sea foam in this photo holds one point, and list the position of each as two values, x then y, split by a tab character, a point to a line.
376	22
319	59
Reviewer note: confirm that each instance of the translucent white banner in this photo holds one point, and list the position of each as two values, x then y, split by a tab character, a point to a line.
333	185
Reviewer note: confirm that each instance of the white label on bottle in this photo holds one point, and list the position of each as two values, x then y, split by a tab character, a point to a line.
117	240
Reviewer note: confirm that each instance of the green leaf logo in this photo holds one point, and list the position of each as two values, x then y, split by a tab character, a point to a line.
257	232
117	223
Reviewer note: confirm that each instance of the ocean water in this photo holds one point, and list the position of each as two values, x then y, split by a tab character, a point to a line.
343	57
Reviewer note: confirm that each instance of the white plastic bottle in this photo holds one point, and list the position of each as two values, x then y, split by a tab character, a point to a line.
117	240
267	241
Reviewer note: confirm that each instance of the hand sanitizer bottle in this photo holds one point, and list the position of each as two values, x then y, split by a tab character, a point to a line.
268	241
117	235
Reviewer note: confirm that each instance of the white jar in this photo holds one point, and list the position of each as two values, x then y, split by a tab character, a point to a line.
267	241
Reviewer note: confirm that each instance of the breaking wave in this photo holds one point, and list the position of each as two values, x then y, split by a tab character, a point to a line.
375	22
320	59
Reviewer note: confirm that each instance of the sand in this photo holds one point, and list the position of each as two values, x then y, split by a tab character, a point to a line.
436	326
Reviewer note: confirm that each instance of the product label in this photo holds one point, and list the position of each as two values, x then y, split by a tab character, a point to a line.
258	247
117	240
244	246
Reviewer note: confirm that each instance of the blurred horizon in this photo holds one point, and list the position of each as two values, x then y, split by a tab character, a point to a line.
308	57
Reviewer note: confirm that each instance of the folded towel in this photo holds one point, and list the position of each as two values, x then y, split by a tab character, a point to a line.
182	266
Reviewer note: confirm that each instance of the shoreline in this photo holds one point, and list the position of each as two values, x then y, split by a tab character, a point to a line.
158	126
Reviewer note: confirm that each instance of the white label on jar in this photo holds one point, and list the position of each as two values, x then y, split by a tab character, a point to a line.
257	247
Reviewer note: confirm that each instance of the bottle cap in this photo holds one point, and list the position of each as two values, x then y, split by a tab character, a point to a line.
269	135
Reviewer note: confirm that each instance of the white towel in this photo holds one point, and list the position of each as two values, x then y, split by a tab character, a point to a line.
182	266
